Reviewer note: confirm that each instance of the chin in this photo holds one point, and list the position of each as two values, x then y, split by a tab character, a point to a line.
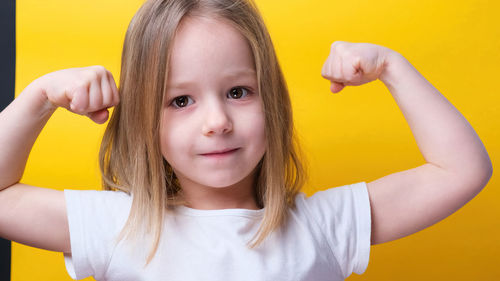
220	182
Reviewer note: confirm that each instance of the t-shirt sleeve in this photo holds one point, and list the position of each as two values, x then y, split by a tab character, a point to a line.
95	218
343	215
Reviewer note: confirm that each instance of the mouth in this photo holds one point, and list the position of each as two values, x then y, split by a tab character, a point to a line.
221	152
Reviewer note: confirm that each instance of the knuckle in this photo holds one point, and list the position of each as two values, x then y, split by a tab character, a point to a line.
99	69
348	53
108	73
337	45
91	75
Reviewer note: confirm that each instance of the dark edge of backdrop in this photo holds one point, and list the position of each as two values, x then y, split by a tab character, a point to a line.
7	86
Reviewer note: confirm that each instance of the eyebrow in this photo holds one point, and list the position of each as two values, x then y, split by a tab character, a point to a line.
233	74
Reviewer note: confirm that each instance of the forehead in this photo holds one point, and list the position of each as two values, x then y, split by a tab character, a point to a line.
205	49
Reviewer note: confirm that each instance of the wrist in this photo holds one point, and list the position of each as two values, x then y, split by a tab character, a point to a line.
393	66
38	99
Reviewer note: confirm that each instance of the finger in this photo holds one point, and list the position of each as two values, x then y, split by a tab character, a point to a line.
346	70
336	87
114	88
99	116
79	101
325	70
107	94
337	70
95	96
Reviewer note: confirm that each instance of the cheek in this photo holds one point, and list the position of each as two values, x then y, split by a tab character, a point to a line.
256	127
170	139
259	128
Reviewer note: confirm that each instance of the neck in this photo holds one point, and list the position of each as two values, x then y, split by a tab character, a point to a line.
240	195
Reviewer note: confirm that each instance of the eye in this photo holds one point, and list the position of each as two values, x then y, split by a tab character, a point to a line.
181	101
237	92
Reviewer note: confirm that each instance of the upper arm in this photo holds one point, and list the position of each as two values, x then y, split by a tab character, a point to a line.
34	216
409	201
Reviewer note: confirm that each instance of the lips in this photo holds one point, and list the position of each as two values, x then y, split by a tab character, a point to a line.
223	151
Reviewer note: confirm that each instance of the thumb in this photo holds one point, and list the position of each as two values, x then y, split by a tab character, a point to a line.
99	116
336	87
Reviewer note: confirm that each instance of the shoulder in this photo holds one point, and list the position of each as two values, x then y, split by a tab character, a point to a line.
344	207
98	205
336	198
97	197
95	219
341	216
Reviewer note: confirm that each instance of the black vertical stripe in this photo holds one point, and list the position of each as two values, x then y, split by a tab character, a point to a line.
7	51
7	85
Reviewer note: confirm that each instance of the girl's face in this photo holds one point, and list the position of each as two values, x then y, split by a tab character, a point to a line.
212	105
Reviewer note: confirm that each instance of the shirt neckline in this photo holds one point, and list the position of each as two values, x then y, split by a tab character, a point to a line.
219	212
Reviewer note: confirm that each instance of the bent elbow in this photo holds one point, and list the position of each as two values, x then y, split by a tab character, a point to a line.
480	175
489	173
486	170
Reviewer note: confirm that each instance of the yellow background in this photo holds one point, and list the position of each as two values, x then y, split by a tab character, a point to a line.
357	135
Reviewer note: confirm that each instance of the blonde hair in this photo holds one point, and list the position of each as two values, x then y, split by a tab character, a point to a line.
130	156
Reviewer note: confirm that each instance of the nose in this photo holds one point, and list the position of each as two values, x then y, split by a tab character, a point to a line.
217	120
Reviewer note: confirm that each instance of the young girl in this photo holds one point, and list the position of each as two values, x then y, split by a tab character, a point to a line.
201	169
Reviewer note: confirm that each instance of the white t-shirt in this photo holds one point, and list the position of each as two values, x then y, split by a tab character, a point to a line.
327	237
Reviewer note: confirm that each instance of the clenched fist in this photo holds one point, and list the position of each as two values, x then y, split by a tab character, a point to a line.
87	91
354	64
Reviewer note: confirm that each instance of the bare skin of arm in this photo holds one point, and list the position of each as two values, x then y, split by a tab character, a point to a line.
457	164
31	215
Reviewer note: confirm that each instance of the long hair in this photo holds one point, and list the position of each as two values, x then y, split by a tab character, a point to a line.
130	156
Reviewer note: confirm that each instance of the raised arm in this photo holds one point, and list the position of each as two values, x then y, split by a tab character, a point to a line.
31	215
457	167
